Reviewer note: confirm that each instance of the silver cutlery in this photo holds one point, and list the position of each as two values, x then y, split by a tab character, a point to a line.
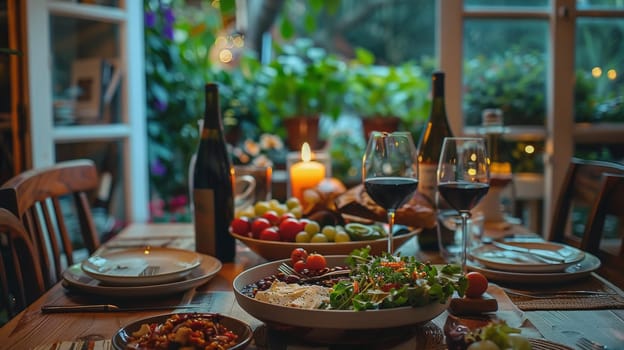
288	270
541	253
554	293
109	308
586	344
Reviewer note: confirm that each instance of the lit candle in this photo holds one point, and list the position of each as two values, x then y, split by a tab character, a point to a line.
306	173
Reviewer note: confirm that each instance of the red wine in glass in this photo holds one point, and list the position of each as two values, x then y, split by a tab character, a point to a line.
391	192
463	196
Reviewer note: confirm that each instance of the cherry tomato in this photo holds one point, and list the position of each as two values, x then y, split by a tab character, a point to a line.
316	262
298	254
289	228
272	216
258	225
269	234
300	265
477	284
241	226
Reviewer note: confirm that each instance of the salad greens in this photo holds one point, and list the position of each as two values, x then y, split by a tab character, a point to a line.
388	281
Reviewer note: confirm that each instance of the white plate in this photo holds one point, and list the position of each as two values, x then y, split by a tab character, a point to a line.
243	330
497	258
125	267
209	267
581	269
326	319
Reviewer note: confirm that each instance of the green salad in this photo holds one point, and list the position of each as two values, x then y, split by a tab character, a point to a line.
388	281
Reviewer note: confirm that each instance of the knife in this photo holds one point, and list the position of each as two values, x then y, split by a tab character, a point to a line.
109	308
542	253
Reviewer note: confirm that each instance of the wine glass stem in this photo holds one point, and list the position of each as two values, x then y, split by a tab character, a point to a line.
391	214
464	240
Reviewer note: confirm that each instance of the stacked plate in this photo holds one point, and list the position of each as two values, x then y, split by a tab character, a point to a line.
532	262
142	272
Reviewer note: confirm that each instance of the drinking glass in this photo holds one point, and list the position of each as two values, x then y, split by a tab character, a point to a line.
463	179
390	172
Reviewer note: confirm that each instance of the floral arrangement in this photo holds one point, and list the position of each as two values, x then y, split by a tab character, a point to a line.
267	151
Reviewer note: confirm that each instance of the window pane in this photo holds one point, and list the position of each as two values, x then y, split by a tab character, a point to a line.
599	83
84	78
506	74
599	4
506	3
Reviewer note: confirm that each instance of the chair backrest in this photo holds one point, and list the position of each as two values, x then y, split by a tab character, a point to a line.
54	206
590	213
580	190
21	278
604	232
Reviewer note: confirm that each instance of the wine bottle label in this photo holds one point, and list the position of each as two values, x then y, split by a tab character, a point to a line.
210	133
427	181
205	235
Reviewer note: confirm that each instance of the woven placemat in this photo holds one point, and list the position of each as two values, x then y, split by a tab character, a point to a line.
612	299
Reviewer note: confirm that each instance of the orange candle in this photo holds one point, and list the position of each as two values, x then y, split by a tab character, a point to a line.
305	174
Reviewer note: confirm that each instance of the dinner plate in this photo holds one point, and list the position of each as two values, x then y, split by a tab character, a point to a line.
578	270
495	257
121	339
326	319
130	266
75	277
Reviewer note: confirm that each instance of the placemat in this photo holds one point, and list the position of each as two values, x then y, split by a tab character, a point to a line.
550	300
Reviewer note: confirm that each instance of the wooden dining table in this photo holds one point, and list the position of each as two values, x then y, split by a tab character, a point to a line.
557	319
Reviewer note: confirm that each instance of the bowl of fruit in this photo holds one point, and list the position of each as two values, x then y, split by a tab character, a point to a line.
272	229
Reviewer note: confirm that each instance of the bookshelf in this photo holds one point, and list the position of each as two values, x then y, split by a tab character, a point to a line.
76	50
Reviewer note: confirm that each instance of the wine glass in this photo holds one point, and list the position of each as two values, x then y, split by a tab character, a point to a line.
463	179
390	172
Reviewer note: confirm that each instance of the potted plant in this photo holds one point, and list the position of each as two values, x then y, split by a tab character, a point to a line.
302	84
387	98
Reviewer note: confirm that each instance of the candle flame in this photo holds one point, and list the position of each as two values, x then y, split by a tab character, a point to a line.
306	154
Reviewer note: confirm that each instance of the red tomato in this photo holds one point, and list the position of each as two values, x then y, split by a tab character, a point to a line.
258	225
316	262
241	226
298	254
272	216
477	284
300	265
285	216
289	228
270	234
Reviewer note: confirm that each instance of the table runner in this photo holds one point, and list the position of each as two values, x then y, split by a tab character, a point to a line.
577	302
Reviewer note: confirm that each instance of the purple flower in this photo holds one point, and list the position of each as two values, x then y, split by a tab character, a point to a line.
150	19
160	106
169	15
168	32
158	168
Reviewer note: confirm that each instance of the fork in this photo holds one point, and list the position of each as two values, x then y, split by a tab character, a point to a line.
150	270
586	344
288	270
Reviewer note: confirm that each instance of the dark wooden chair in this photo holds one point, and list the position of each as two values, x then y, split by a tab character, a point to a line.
54	206
20	273
590	213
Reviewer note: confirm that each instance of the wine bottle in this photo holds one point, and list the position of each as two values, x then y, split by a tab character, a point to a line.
429	149
213	199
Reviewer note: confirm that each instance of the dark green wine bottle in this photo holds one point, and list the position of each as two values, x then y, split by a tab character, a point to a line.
429	149
213	195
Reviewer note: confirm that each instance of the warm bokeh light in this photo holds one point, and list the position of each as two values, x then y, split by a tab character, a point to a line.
596	72
612	74
473	157
472	172
529	149
225	56
239	41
